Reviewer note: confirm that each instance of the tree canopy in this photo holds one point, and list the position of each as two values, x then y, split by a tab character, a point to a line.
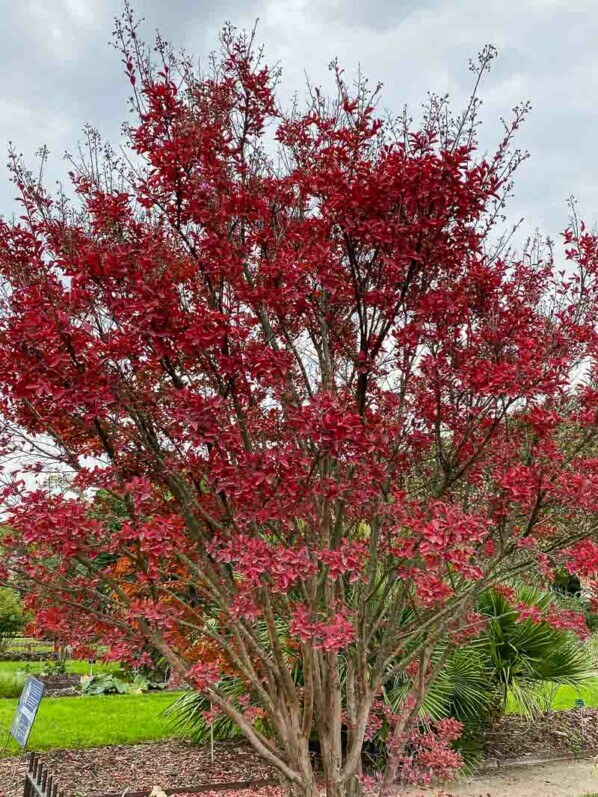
305	402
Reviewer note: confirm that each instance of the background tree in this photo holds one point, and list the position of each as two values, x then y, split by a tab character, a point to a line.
12	615
330	405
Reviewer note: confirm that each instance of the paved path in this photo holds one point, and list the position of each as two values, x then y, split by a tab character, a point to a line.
564	779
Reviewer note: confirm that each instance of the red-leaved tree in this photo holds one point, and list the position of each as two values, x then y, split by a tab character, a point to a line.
300	401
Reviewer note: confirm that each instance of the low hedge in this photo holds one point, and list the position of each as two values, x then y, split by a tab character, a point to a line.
28	655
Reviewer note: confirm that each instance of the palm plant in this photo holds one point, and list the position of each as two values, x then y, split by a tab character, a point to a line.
511	659
526	660
187	713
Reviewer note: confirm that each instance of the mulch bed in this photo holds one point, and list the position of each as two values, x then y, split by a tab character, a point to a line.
108	770
60	685
557	733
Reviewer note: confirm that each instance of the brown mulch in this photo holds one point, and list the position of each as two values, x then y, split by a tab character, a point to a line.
107	770
557	733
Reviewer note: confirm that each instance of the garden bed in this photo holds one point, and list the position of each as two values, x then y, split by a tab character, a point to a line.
28	655
555	734
171	764
105	770
60	685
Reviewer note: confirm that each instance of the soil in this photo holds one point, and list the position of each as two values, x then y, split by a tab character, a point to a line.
60	685
108	770
113	769
557	733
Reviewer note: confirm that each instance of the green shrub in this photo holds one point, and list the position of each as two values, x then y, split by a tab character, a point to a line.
103	684
54	668
141	683
108	684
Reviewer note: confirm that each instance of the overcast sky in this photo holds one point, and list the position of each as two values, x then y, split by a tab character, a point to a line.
59	72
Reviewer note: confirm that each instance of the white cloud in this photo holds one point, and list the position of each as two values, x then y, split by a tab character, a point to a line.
58	28
60	73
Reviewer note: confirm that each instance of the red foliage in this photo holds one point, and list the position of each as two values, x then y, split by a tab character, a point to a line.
302	408
429	753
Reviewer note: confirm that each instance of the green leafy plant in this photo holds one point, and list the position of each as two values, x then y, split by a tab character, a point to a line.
188	714
109	684
54	668
141	683
576	743
103	684
527	659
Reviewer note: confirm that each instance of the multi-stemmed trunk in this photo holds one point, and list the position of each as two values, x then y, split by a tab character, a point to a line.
329	776
336	768
322	773
339	726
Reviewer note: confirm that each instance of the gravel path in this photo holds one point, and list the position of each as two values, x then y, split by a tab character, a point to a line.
566	779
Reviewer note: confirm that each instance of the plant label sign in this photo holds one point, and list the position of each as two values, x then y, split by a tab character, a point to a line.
31	696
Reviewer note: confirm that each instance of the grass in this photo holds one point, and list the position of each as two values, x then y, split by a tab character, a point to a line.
11	684
94	721
87	721
565	697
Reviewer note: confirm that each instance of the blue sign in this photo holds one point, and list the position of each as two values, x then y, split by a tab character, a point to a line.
29	701
579	703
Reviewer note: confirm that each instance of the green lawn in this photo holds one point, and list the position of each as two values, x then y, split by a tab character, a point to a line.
566	696
93	721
